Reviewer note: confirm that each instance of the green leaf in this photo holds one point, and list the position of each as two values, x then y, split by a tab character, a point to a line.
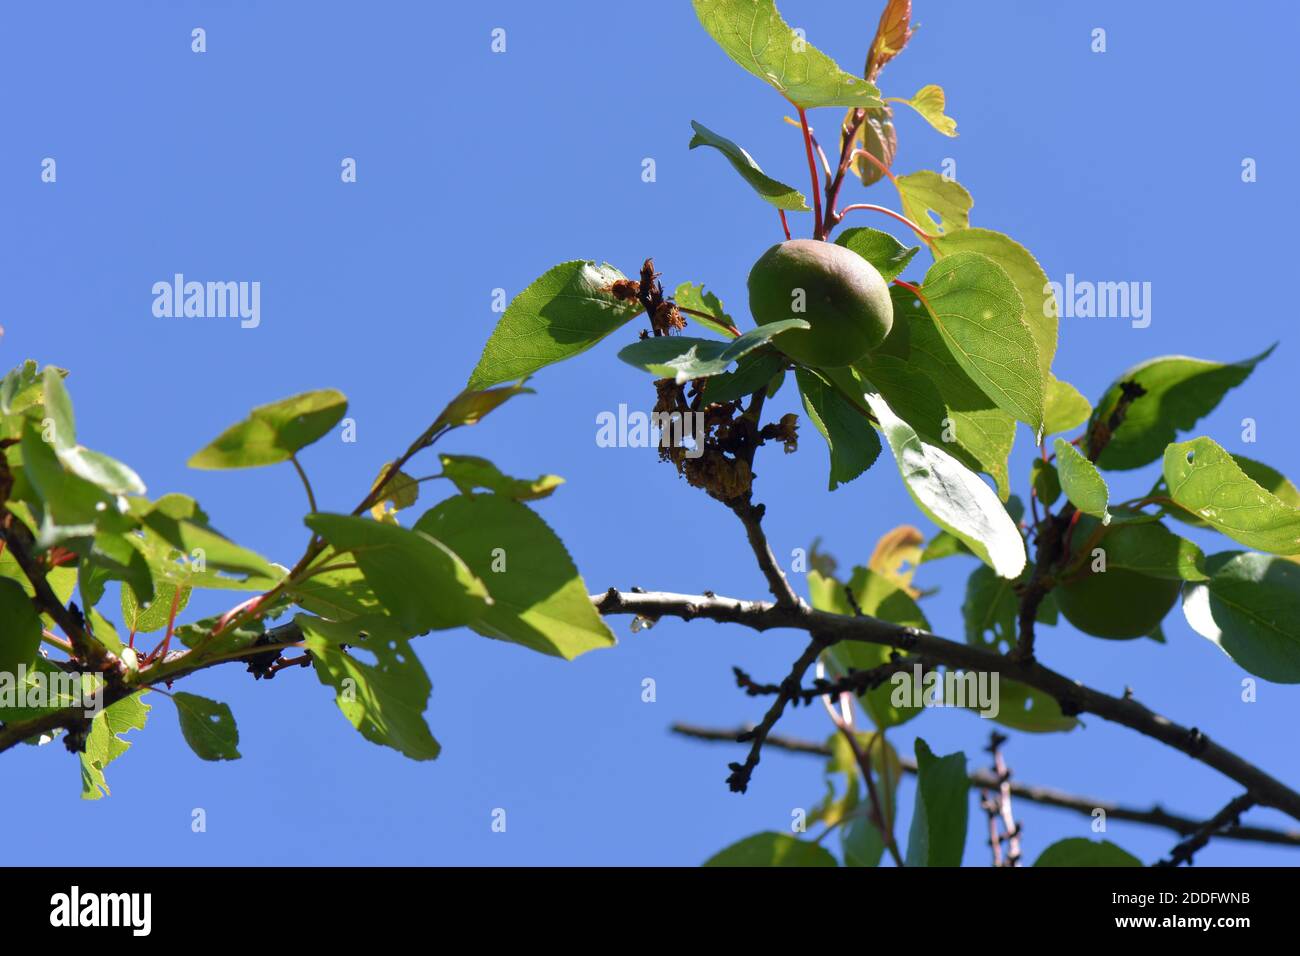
887	254
753	371
23	388
925	192
538	598
1046	482
1179	392
879	597
422	583
153	616
468	473
113	557
753	34
693	297
1250	608
929	101
1064	407
104	743
1077	851
939	816
777	193
339	595
981	318
178	521
1204	479
272	433
772	849
565	311
385	700
952	496
853	443
71	507
991	612
1270	479
20	628
400	491
471	405
98	469
1081	481
58	410
208	726
684	358
1029	279
924	384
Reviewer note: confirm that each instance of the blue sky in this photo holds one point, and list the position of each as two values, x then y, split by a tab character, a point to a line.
479	171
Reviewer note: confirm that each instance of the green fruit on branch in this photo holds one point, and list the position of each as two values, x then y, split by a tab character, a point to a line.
1115	603
840	294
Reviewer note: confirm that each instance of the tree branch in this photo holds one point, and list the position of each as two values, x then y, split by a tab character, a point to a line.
741	772
1073	697
1046	796
1228	816
176	666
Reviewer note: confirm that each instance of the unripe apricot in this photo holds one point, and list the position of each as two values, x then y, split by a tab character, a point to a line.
843	298
1115	603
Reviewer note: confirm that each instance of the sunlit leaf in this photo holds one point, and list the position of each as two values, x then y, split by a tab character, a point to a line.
753	34
930	102
565	311
773	191
272	433
1204	479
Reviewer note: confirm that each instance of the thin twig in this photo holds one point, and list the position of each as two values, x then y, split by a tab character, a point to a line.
741	772
1228	816
1045	796
306	483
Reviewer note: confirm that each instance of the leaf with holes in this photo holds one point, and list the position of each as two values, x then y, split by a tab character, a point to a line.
384	700
925	192
930	102
1204	479
208	726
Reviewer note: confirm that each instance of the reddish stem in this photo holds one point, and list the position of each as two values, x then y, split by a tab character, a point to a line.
910	288
889	212
878	164
784	225
812	172
166	643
